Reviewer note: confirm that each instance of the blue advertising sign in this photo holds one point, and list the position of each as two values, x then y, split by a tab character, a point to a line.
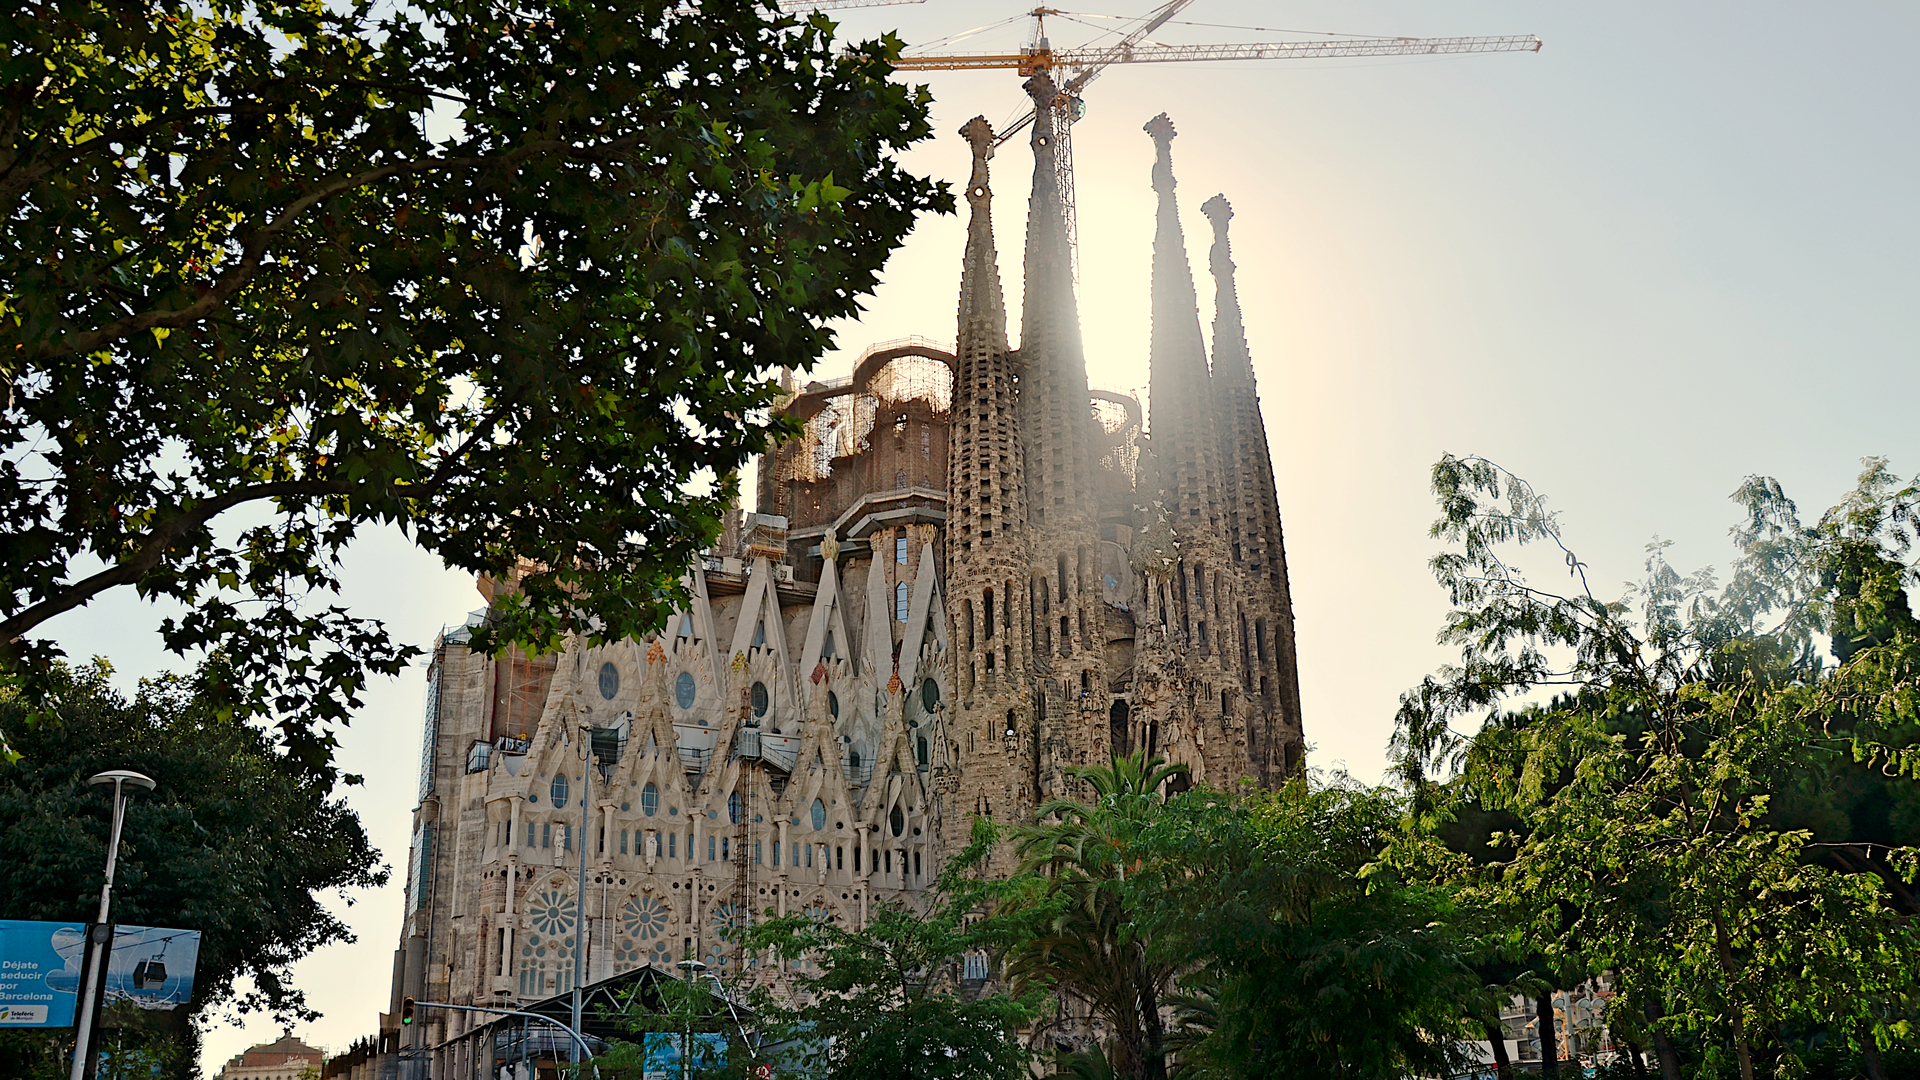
663	1054
40	972
152	966
41	963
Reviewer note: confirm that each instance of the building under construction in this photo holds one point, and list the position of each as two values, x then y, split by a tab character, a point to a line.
969	575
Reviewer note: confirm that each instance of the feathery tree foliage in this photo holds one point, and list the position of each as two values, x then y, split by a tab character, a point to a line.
508	277
892	1000
1700	806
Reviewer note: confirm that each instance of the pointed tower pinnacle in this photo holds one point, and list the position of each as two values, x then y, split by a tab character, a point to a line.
987	542
1181	415
986	486
1062	596
1253	515
1056	417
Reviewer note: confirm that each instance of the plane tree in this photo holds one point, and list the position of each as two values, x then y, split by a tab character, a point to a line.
508	277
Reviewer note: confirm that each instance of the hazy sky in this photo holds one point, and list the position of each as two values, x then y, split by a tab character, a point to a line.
1674	247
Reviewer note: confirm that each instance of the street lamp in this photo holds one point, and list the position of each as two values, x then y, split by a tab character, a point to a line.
693	968
603	751
98	935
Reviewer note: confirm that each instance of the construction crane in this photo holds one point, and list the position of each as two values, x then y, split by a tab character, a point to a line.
1135	48
827	5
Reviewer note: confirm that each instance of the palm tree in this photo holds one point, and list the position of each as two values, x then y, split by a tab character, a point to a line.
1089	945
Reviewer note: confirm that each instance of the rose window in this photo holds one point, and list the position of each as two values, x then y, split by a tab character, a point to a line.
644	917
551	913
726	916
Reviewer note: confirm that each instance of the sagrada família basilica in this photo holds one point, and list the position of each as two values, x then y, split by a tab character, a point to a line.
969	575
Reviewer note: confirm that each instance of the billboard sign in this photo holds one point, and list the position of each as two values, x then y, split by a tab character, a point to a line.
40	972
41	964
663	1054
152	966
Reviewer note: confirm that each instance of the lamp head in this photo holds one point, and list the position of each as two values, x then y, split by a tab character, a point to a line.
122	776
691	965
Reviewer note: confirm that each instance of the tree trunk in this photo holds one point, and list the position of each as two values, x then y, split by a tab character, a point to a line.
1502	1067
1639	1061
1870	1052
1669	1057
1156	1033
1549	1041
1741	1049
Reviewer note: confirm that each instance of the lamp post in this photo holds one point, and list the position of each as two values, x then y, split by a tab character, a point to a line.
98	939
693	968
603	750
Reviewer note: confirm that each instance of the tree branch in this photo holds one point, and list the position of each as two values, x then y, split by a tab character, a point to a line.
163	537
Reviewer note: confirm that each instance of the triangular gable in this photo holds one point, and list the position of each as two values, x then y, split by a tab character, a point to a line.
925	596
760	607
876	651
829	617
703	621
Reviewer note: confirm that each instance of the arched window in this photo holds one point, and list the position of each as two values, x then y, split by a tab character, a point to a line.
833	705
922	752
760	635
897	821
649	800
686	625
609	680
758	697
900	549
733	807
901	601
558	789
683	690
929	696
819	815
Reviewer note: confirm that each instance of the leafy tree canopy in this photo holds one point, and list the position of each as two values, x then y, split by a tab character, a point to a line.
230	843
509	277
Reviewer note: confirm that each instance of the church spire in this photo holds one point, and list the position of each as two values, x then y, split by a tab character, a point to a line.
1253	515
1184	437
1056	417
983	313
987	546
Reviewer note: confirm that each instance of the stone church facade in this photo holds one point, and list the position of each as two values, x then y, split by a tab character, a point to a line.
971	574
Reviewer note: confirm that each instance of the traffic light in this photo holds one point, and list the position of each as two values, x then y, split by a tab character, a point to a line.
406	1010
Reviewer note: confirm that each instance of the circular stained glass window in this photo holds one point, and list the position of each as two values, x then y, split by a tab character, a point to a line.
558	789
819	814
644	917
833	705
551	913
649	800
759	694
929	695
609	680
683	690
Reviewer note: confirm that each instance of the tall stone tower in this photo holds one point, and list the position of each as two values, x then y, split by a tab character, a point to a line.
1253	526
987	537
1066	600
